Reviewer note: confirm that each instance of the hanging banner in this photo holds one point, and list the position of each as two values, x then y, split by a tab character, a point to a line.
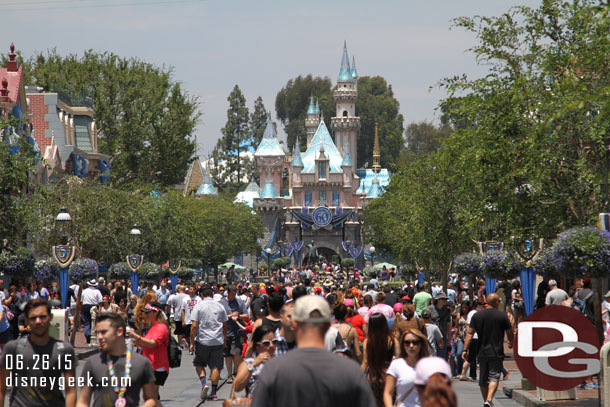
64	255
528	250
297	248
421	275
135	281
528	288
134	262
322	218
490	285
484	247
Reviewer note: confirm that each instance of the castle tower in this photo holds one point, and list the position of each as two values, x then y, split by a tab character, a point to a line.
312	120
346	124
376	152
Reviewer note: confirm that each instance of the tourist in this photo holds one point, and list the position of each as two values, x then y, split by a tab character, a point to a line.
490	325
142	323
265	342
367	303
272	321
400	377
382	308
207	339
175	304
116	360
188	304
355	319
409	321
482	291
236	309
441	317
163	295
421	299
433	333
517	307
459	335
556	295
380	347
282	383
131	311
347	331
433	383
90	298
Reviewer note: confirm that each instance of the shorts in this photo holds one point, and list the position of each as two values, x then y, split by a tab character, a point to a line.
186	330
208	356
179	328
233	345
490	370
160	377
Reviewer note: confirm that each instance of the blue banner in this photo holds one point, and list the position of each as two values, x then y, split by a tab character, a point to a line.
297	249
135	282
64	282
528	288
174	279
421	276
490	285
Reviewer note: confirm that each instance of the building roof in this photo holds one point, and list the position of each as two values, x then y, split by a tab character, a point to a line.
366	179
270	145
312	107
248	195
206	188
322	140
345	73
13	76
296	159
269	190
374	190
354	72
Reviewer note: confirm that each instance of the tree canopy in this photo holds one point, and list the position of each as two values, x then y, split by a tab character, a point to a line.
146	119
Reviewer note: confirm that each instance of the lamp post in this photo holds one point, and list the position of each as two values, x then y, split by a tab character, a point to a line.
135	260
372	250
268	251
63	253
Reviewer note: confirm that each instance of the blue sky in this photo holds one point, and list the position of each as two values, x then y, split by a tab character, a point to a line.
259	45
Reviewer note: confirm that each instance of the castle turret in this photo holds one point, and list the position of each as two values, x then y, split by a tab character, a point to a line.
346	124
312	120
376	152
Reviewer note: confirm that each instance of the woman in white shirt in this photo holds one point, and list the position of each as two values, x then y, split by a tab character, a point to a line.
400	375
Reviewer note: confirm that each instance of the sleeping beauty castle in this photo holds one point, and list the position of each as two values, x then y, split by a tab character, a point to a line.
311	202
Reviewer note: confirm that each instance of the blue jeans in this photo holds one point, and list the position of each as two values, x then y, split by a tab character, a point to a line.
459	362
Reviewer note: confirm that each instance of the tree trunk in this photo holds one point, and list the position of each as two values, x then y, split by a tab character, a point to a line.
597	283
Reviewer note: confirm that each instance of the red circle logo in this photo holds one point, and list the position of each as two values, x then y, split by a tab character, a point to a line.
557	348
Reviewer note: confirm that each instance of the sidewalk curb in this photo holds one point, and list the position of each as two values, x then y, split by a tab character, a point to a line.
524	398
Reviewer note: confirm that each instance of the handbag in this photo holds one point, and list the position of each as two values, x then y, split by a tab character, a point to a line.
233	401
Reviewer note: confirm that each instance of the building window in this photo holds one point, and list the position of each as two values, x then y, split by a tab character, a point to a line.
307	198
336	197
322	198
322	169
345	113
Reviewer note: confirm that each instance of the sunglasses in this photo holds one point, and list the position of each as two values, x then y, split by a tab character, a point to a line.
268	342
411	342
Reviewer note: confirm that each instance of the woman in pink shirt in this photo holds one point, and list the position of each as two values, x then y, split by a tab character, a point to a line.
155	343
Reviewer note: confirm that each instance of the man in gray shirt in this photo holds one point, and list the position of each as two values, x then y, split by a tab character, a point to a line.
311	375
208	333
556	296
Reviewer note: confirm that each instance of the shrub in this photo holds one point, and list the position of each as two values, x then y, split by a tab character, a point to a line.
468	264
348	262
582	251
18	264
46	270
83	269
120	271
499	264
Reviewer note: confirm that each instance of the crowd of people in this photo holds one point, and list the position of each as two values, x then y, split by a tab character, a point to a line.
373	343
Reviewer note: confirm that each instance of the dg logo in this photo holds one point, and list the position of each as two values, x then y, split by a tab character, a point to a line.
556	348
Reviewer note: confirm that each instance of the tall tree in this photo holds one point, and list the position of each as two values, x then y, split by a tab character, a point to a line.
424	137
376	103
292	101
146	119
258	121
228	159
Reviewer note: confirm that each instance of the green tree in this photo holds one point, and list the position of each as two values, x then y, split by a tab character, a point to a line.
145	118
292	101
228	169
424	137
376	103
258	122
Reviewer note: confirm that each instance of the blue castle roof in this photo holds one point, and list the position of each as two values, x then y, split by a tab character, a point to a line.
347	159
312	107
206	188
354	72
269	190
296	159
322	139
345	73
375	190
270	145
368	175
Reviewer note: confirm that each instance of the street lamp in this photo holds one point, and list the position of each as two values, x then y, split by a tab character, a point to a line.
63	253
134	261
268	251
372	250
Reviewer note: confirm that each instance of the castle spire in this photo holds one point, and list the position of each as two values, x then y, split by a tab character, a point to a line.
376	152
345	73
353	71
312	107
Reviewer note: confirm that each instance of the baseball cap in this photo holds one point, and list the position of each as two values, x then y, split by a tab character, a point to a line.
552	282
398	307
607	294
441	296
429	366
426	314
308	304
152	306
348	302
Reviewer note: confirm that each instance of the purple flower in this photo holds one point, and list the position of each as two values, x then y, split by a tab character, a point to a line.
499	264
83	269
46	270
120	271
582	251
467	264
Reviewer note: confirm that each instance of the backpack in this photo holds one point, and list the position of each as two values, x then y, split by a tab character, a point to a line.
174	354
